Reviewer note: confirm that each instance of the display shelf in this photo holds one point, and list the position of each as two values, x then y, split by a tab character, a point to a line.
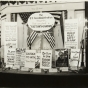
42	73
20	78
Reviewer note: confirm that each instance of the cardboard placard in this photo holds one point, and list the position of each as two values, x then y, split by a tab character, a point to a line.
37	70
20	57
10	56
61	56
64	68
71	34
53	70
24	69
10	42
75	57
46	59
30	58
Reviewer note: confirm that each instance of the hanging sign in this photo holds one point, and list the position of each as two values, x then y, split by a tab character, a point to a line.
41	21
30	58
71	34
46	59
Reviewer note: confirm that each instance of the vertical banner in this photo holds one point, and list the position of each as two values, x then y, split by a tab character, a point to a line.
46	59
10	42
71	34
30	58
75	57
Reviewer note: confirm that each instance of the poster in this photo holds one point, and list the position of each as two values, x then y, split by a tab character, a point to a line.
61	56
30	58
71	34
10	57
20	57
75	57
46	59
10	34
10	40
37	61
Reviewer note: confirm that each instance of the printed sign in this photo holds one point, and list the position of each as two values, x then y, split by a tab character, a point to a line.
37	61
10	42
37	70
10	34
64	69
53	70
46	59
61	56
20	56
10	57
41	21
75	56
30	58
71	33
24	69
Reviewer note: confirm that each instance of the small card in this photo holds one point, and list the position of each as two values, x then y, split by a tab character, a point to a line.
64	68
53	70
7	66
24	69
37	70
73	68
16	67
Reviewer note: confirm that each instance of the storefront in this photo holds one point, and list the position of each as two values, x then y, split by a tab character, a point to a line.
63	39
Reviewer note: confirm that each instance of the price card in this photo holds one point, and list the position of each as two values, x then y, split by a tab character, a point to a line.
53	70
73	68
64	68
16	67
24	69
37	70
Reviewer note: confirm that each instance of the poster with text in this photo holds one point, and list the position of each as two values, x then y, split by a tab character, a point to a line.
10	57
20	56
71	34
75	57
10	35
46	59
37	61
30	58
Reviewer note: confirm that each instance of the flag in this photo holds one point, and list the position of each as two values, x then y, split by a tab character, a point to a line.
31	38
24	16
50	39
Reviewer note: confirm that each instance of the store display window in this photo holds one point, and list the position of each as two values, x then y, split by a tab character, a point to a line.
43	37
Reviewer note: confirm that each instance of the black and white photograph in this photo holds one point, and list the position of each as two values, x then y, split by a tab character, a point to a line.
41	39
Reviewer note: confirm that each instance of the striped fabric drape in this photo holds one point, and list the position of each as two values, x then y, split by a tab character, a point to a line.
49	36
31	38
